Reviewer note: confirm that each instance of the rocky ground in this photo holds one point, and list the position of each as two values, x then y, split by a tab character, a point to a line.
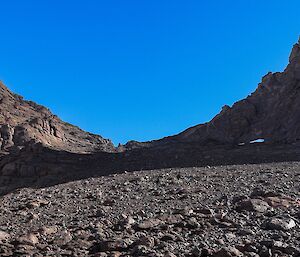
237	210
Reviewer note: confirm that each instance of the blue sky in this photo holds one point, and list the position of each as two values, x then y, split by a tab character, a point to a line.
142	69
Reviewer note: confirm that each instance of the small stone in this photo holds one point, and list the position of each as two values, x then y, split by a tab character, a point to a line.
280	224
230	236
115	254
4	236
186	211
48	230
292	250
101	254
29	239
148	224
251	254
32	216
192	223
245	232
168	237
171	219
251	247
257	192
111	245
63	238
265	252
127	222
280	202
36	203
227	252
109	202
255	205
147	241
205	211
220	241
278	244
169	254
140	250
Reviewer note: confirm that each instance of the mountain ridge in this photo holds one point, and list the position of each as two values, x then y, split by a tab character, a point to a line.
268	113
248	119
24	122
41	150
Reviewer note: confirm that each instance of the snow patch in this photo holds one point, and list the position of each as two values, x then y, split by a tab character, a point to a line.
259	140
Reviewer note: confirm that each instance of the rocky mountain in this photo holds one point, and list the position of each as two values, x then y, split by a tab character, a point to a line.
40	150
66	192
25	122
271	114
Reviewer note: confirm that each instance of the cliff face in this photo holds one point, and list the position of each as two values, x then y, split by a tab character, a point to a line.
25	122
271	113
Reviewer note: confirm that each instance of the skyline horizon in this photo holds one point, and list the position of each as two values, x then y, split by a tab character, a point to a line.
154	139
142	70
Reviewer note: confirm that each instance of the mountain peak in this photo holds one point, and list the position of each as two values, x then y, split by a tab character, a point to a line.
295	51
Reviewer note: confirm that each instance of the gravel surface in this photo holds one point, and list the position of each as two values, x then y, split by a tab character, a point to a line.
239	210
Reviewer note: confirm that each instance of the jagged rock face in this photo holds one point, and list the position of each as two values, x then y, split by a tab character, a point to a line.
24	122
271	113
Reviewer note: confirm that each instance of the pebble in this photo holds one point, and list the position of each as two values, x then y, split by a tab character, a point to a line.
280	224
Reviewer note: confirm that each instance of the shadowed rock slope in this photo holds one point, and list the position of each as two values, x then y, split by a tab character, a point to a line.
271	112
25	122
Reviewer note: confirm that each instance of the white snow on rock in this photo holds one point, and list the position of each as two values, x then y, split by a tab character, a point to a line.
259	140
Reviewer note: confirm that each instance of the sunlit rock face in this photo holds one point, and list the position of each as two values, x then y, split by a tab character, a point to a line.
25	122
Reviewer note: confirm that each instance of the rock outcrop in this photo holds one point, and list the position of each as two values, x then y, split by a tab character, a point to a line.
270	113
25	122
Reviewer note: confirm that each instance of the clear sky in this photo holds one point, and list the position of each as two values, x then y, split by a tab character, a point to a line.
141	69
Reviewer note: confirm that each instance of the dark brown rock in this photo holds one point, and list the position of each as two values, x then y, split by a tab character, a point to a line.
256	205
